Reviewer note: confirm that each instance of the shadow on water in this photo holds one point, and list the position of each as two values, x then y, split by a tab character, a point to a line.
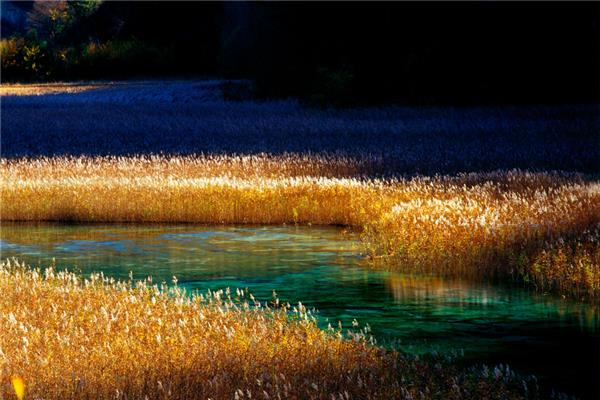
556	339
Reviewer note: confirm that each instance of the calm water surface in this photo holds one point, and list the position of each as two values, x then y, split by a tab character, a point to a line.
556	339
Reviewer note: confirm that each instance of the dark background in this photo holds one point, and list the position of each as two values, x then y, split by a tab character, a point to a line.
340	53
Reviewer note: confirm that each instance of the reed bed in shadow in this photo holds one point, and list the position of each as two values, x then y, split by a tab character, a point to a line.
537	228
65	336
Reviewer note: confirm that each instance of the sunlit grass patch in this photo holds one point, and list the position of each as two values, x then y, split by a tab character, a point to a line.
288	189
69	337
44	88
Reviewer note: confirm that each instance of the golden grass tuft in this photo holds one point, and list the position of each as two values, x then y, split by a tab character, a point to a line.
69	337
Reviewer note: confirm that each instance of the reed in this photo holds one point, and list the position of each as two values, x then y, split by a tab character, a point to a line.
483	225
64	336
539	229
45	88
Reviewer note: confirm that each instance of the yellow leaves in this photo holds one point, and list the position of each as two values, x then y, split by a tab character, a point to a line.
18	387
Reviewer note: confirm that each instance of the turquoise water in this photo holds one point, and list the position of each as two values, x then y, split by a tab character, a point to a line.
556	339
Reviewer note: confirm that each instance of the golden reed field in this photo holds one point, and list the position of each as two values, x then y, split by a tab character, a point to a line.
540	229
67	337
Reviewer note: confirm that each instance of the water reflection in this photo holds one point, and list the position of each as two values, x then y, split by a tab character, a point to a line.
557	339
469	301
423	288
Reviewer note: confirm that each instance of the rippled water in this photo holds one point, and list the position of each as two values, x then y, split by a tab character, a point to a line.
557	339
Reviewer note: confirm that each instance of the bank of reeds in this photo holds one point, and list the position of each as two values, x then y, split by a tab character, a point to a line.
64	336
537	228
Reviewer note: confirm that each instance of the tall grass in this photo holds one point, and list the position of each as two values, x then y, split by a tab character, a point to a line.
537	228
64	336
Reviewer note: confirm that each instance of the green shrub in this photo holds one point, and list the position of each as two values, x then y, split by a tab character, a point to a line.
120	57
11	56
32	59
26	58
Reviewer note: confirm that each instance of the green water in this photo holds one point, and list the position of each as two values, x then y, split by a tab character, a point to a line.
556	339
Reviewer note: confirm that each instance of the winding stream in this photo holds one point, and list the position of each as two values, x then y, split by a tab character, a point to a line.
556	339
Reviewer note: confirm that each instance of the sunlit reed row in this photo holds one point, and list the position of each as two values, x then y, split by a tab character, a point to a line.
44	89
189	167
64	336
536	228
